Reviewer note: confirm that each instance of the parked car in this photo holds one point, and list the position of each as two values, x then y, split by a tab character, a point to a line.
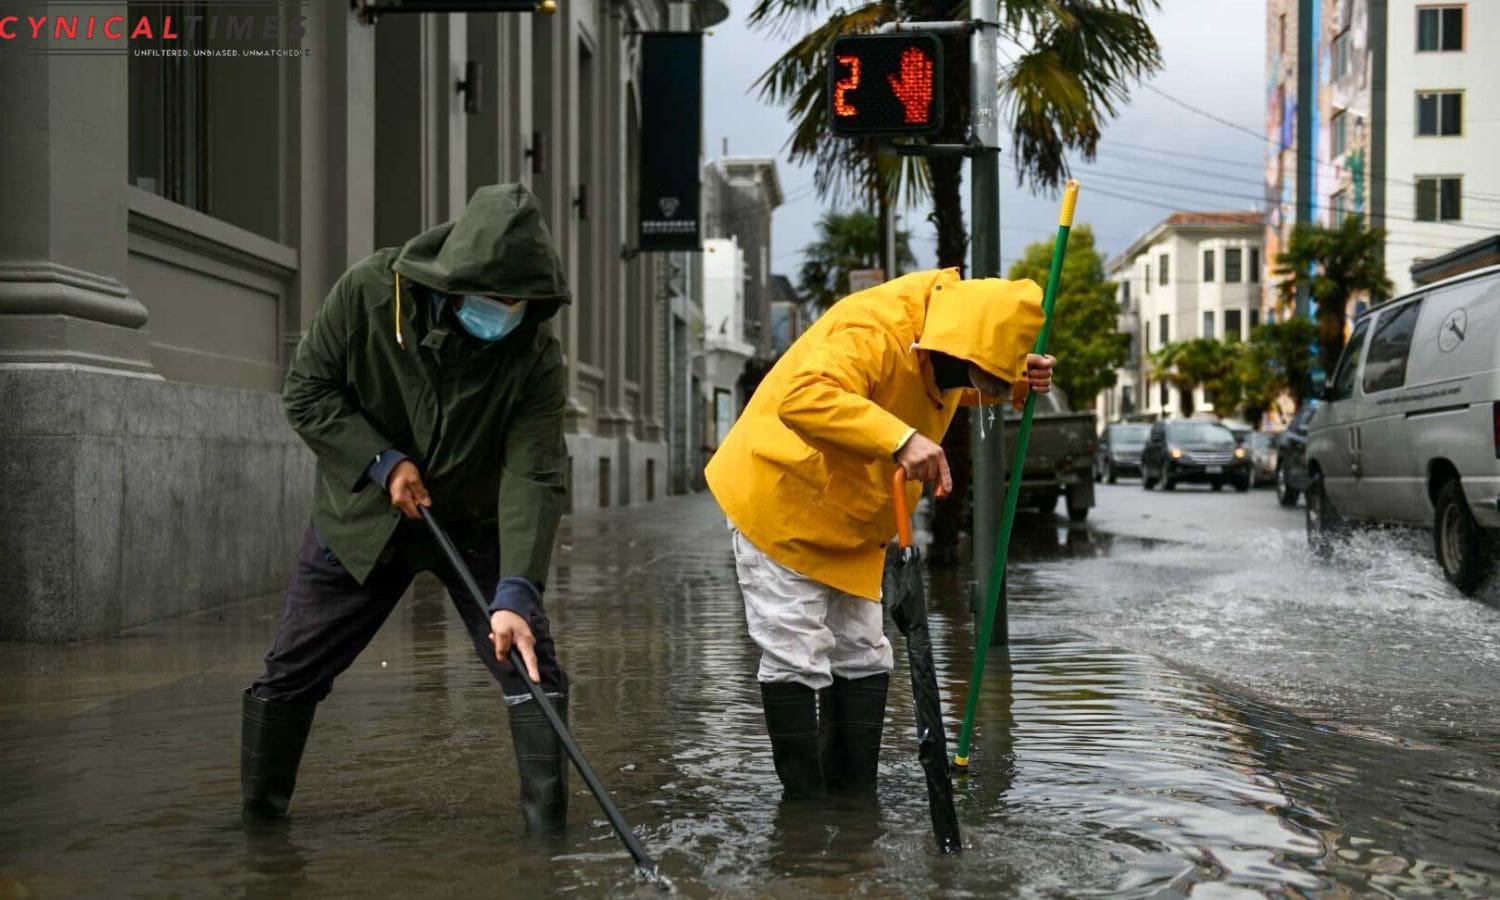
1409	428
1120	450
1241	432
1058	457
1185	450
1262	446
1291	456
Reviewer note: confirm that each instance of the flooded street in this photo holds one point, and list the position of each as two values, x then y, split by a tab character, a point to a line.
1175	716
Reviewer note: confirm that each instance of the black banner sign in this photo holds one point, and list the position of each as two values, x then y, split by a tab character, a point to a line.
671	137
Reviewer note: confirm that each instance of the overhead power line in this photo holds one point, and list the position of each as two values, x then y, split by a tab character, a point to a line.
1487	227
1261	137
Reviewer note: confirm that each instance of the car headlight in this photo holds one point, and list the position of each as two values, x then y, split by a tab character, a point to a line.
1177	453
1239	452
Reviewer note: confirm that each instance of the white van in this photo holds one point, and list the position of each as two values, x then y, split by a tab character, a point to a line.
1409	430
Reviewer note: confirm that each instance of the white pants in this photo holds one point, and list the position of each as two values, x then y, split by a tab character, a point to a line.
807	631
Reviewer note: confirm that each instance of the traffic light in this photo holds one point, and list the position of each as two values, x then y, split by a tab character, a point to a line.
886	84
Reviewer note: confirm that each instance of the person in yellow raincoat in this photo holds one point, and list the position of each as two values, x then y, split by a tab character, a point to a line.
804	478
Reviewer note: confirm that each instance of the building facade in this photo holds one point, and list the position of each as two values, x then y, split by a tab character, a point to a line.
1194	275
1381	109
724	338
740	196
173	223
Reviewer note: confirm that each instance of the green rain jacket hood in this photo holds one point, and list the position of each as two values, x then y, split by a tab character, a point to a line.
499	247
380	369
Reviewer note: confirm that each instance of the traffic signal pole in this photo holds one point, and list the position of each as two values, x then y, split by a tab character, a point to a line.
983	148
986	441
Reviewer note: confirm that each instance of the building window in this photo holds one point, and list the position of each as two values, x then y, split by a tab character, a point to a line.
1163	268
1254	321
1341	55
1438	198
1440	113
1440	29
1146	279
1233	274
1338	129
1125	296
1208	266
1232	325
1208	323
1340	204
169	126
1255	265
1164	331
1281	46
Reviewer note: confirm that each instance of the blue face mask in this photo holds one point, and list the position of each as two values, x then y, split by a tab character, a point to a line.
490	320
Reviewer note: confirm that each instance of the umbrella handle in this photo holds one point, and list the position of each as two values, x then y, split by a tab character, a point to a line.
903	515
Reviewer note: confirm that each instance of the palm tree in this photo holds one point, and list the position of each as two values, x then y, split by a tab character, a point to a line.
1334	265
1200	362
1278	360
846	241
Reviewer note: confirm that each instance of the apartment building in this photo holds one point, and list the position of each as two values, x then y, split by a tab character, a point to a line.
1195	274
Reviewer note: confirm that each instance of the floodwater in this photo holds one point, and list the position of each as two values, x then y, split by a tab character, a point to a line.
1170	719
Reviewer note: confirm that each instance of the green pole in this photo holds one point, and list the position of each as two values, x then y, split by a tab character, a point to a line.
1013	489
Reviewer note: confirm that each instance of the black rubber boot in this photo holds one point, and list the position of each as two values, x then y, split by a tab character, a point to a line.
792	722
272	736
852	719
543	766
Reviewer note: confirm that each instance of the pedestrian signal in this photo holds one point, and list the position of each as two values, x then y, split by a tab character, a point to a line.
886	84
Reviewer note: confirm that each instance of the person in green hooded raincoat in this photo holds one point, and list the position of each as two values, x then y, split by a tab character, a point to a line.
429	376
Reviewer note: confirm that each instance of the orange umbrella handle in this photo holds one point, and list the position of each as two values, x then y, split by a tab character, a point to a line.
903	516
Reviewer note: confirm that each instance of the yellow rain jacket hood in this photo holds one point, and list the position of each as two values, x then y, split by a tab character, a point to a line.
805	472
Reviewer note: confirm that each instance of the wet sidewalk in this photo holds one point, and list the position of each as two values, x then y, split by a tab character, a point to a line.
1096	771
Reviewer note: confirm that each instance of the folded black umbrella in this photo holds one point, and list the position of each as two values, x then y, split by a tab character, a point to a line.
903	595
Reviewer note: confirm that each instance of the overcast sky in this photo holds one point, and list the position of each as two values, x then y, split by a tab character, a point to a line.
1214	61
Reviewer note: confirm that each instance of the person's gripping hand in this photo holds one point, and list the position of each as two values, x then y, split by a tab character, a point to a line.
1038	378
510	630
925	461
406	489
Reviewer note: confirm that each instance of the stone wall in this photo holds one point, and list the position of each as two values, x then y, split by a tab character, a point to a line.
134	499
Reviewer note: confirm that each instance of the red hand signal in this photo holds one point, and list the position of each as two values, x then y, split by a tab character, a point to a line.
914	90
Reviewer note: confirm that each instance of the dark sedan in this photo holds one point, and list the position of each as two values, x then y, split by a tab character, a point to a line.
1120	450
1291	456
1185	451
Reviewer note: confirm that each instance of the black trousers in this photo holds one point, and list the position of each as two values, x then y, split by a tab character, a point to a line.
329	617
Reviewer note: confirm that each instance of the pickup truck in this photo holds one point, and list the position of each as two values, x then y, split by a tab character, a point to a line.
1060	457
